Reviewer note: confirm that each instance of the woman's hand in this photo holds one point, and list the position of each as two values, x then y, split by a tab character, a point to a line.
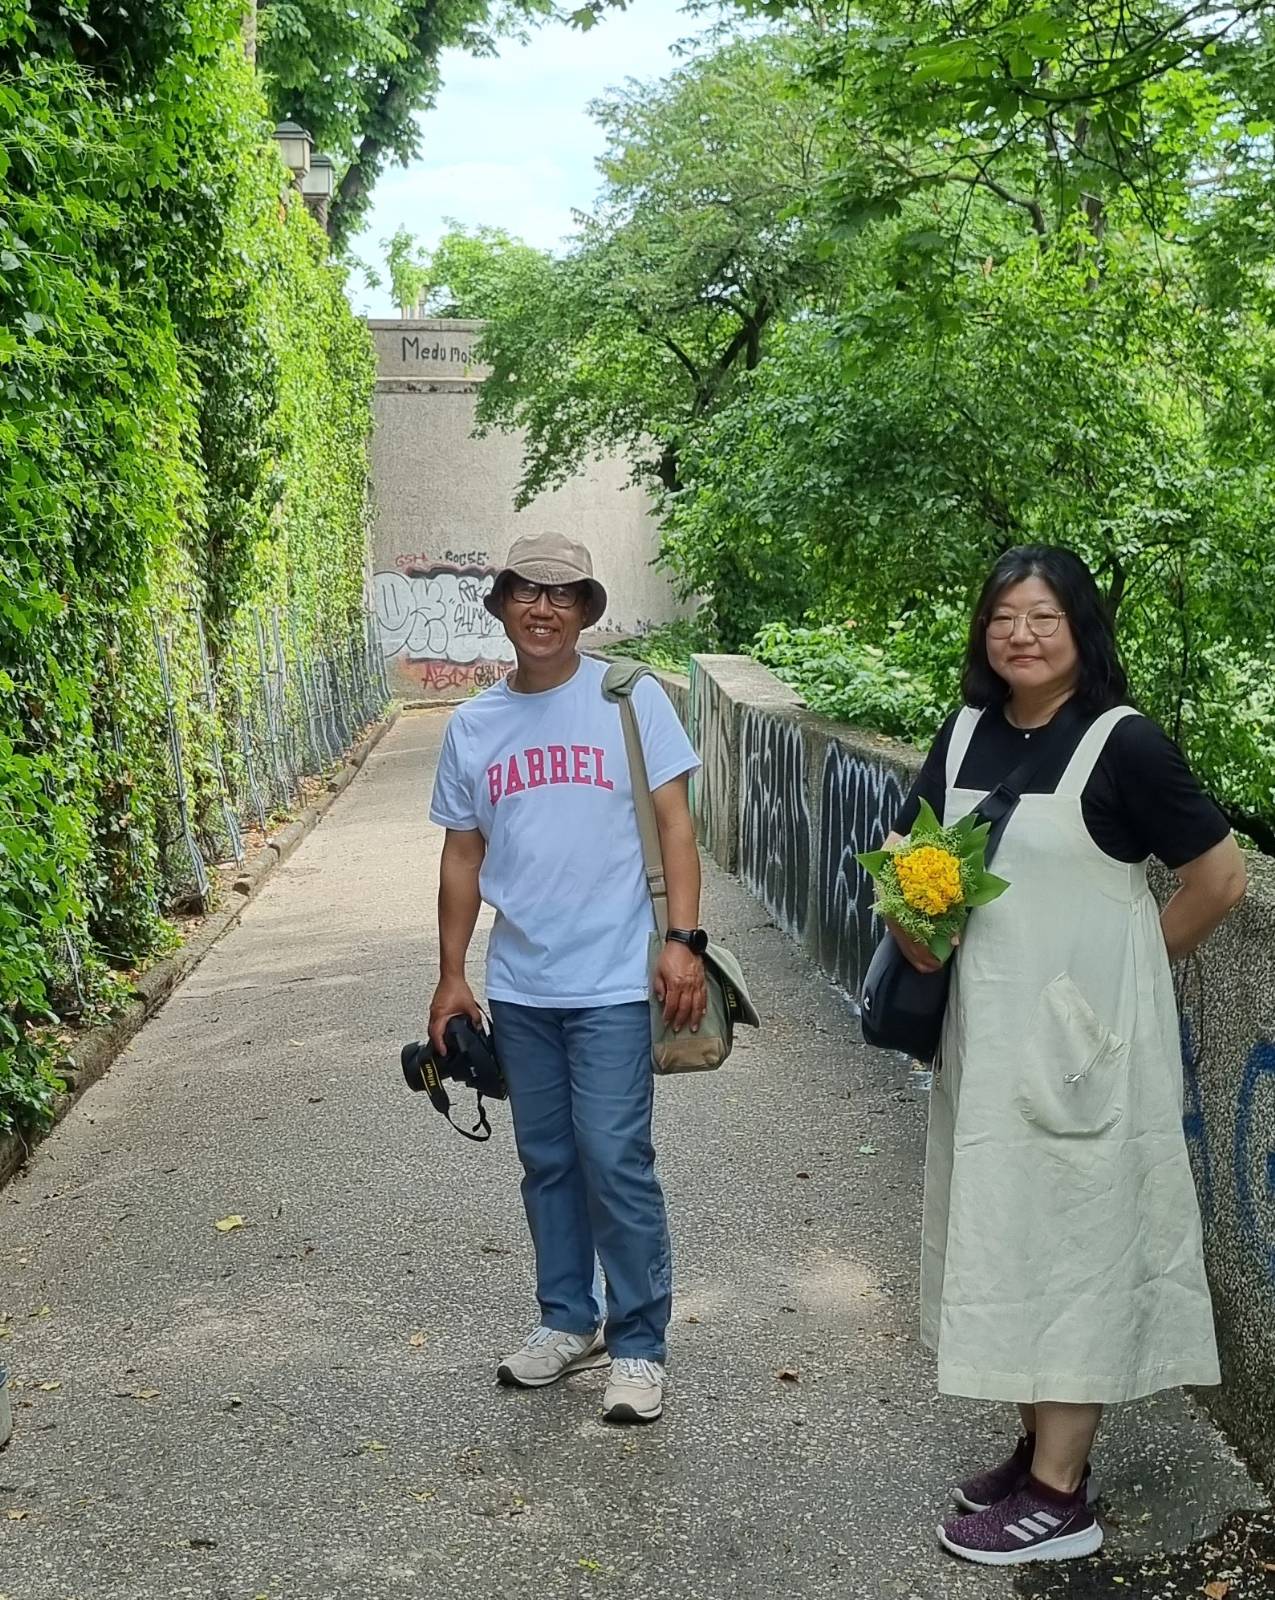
681	987
916	954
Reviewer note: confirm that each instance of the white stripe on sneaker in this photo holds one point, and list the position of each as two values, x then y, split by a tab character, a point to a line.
1019	1533
1047	1519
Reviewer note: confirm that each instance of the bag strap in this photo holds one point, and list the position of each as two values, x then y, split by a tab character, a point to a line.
617	685
998	805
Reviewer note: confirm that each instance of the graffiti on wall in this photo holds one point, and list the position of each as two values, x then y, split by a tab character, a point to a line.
859	800
1247	1127
436	613
774	817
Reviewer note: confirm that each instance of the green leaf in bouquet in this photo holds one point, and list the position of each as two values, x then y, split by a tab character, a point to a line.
926	821
940	946
873	860
987	887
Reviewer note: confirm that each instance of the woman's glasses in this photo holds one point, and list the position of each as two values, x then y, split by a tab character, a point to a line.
562	596
1041	621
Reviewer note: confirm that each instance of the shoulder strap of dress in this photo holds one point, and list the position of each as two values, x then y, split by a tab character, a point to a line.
1089	750
958	745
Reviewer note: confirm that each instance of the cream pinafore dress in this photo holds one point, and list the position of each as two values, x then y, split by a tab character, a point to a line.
1061	1252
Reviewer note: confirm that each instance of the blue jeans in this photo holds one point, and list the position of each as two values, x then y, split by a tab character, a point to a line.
580	1089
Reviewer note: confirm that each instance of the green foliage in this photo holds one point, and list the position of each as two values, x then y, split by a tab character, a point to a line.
670	647
183	416
358	77
699	241
903	683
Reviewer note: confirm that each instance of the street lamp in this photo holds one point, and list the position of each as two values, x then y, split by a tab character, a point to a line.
295	145
317	187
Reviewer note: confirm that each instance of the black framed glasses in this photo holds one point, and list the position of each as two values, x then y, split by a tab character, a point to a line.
562	596
1043	622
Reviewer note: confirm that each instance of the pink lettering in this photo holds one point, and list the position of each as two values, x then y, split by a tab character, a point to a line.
558	764
598	780
579	754
513	778
494	783
535	768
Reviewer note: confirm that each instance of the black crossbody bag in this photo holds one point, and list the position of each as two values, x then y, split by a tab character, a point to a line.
903	1009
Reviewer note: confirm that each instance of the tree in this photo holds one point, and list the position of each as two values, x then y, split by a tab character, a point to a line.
357	77
701	239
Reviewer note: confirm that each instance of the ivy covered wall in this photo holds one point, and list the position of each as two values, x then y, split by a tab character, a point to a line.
184	412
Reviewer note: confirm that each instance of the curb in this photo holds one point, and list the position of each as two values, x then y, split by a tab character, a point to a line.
93	1052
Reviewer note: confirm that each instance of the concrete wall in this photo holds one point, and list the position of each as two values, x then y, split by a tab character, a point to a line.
788	799
444	518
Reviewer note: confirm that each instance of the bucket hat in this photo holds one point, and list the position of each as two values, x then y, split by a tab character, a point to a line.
550	558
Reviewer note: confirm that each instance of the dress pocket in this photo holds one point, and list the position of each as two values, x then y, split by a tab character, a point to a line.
1074	1073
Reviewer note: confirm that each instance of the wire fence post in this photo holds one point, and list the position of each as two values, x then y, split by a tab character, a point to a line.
282	786
181	794
229	818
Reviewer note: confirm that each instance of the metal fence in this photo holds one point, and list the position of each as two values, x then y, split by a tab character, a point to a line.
258	731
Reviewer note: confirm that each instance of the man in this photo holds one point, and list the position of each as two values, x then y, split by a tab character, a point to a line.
533	788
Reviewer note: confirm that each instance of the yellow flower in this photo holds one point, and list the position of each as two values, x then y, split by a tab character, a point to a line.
930	880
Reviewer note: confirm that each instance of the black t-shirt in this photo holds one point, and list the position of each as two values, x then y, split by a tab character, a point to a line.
1141	799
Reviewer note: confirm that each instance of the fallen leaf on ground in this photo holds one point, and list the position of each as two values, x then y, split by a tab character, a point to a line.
145	1394
692	1319
227	1223
867	1149
41	1311
1217	1591
788	1375
17	1516
416	1341
48	1388
423	1496
373	1444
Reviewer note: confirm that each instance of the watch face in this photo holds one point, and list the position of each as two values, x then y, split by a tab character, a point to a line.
698	941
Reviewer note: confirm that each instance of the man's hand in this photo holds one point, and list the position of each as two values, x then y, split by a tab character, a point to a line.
452	998
681	987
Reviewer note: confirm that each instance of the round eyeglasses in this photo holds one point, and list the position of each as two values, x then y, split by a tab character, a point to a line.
1042	622
562	596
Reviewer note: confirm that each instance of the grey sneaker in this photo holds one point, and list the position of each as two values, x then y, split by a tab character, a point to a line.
998	1483
635	1392
549	1355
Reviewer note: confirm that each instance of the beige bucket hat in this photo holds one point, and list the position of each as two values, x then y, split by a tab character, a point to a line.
550	558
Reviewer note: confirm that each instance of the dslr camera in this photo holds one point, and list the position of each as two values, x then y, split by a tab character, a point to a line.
470	1061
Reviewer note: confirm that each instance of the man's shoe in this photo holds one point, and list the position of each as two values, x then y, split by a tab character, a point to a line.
998	1483
635	1392
549	1355
1028	1526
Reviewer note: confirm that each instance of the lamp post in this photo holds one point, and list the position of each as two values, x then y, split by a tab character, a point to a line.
295	146
317	187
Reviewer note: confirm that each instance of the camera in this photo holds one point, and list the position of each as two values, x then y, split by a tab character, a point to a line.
470	1061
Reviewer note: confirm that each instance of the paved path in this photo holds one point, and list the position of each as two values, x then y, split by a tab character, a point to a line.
303	1408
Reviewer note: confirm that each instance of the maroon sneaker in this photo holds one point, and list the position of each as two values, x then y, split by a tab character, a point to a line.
1033	1524
998	1483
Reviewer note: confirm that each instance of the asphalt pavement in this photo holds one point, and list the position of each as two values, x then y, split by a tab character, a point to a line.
300	1404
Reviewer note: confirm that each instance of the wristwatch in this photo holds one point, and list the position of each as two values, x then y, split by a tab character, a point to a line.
695	939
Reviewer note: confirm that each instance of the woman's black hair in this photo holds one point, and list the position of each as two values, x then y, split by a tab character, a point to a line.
1101	682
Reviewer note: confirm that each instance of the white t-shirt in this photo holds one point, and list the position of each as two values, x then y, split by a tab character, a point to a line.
545	779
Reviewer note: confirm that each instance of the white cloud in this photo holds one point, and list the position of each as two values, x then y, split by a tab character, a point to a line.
510	142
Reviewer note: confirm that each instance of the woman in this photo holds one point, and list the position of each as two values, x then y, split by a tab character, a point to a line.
1062	1262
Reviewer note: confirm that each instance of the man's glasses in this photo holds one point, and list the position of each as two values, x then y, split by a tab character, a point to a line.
562	596
1041	621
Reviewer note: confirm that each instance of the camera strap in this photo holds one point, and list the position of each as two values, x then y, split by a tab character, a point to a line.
442	1103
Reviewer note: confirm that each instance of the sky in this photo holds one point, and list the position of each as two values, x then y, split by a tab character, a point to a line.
510	142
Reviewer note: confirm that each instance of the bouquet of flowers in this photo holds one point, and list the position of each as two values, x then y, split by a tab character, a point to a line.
930	881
